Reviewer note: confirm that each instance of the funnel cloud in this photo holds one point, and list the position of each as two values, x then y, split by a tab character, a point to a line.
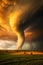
17	15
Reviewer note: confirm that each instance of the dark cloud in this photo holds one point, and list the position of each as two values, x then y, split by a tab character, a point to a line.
35	21
26	13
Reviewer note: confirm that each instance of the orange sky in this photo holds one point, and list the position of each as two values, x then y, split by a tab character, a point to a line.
10	19
28	35
5	30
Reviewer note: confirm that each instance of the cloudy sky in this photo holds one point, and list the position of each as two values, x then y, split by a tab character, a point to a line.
32	24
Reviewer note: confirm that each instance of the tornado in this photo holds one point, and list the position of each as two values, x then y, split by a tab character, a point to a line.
17	17
16	12
15	21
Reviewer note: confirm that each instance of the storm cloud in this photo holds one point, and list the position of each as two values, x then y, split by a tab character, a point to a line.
21	16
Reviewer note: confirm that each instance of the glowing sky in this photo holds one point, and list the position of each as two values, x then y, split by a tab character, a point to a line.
19	11
11	45
5	45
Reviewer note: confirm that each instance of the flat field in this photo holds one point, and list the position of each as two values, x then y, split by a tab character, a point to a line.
20	59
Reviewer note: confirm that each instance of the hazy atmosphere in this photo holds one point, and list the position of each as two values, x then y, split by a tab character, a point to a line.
21	24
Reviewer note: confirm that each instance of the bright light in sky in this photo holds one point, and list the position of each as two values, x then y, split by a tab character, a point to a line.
7	45
11	45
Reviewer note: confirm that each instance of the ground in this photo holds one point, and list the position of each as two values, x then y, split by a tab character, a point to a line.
20	59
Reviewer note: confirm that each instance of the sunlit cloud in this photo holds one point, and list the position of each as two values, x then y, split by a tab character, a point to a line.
7	45
12	14
11	45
